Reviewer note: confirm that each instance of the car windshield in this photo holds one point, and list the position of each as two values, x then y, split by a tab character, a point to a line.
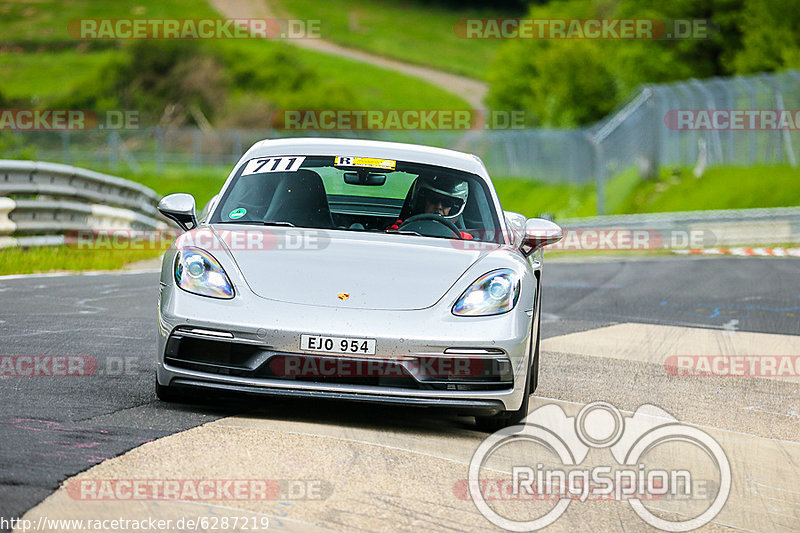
360	194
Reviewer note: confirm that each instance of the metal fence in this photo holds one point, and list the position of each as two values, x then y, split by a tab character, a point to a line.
39	202
638	135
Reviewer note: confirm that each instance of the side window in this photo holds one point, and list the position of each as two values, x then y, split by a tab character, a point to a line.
208	208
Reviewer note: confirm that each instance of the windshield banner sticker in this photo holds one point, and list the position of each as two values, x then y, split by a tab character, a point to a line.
369	162
263	165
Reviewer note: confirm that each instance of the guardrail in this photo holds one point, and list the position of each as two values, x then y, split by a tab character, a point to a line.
730	227
41	201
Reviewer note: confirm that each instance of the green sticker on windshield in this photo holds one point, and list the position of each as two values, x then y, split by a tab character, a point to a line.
237	213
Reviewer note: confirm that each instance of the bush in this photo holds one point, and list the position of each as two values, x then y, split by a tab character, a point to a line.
563	86
273	78
569	82
161	79
770	37
14	147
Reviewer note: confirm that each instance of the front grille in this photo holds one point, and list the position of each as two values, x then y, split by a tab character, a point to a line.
230	358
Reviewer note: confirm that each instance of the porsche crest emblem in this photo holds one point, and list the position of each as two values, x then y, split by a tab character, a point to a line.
344	296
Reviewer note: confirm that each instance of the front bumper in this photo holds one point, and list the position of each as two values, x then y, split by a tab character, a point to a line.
261	330
472	406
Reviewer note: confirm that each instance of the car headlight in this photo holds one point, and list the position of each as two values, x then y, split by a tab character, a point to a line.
494	293
197	271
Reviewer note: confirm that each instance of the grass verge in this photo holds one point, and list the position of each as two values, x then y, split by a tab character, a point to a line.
63	258
676	189
48	20
719	188
41	64
402	29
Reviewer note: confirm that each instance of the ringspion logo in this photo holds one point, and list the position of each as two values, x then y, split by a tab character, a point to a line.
637	474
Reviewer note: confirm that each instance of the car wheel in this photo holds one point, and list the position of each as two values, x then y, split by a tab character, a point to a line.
169	394
511	418
535	358
505	419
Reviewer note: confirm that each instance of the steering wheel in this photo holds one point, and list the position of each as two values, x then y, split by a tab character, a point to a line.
434	217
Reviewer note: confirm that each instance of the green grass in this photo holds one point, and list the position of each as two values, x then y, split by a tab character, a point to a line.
47	20
675	190
202	182
41	76
384	89
48	75
718	188
369	87
533	199
62	258
407	30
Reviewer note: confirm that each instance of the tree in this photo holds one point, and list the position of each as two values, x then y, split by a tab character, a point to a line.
568	82
770	36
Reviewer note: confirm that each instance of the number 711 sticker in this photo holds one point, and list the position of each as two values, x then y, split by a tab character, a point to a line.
273	164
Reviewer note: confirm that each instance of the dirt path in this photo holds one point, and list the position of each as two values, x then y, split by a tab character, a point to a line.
473	91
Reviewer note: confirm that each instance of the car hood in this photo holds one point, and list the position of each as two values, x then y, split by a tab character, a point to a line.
349	269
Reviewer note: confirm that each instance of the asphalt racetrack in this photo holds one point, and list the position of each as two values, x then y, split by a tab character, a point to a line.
609	328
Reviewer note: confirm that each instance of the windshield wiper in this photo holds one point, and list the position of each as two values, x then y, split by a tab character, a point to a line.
259	222
239	221
404	232
277	223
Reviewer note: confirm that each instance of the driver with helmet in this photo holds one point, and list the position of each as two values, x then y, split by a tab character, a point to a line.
441	195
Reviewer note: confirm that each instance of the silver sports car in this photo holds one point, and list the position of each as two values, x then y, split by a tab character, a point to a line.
357	270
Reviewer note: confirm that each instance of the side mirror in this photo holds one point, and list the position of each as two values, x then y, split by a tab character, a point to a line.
538	234
180	208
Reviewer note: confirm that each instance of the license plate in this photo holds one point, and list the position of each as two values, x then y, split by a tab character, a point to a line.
320	343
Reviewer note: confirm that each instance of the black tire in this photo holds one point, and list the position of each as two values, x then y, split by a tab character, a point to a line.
493	423
511	418
535	356
169	394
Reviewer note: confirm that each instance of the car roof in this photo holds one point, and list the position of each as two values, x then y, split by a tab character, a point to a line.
368	148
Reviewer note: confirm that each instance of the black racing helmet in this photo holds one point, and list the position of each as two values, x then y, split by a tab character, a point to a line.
451	191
